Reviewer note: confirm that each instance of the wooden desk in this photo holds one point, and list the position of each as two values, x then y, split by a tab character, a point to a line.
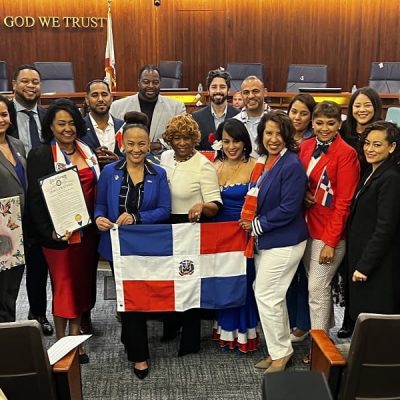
278	100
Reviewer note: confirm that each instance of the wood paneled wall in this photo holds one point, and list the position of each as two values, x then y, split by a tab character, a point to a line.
347	35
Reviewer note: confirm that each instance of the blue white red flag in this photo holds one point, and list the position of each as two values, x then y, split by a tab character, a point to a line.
179	267
324	192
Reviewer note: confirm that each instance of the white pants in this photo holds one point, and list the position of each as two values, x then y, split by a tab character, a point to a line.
275	269
319	283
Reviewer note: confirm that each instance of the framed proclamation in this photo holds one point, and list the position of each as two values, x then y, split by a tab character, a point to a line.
63	194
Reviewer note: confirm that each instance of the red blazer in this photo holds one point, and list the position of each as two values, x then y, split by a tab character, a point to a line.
343	169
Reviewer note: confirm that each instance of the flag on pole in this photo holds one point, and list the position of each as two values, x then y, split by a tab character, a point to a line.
110	56
324	193
179	267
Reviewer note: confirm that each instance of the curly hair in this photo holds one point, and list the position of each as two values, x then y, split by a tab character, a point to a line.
218	73
183	124
286	130
67	106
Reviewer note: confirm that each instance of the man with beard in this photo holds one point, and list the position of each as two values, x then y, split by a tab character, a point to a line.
159	109
218	83
253	93
27	128
101	127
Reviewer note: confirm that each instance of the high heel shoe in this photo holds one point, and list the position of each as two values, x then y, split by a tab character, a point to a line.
264	363
279	364
140	373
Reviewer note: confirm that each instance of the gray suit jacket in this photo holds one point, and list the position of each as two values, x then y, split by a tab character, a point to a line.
164	110
10	184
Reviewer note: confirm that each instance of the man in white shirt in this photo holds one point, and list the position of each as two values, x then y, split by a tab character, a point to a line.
253	93
159	109
101	127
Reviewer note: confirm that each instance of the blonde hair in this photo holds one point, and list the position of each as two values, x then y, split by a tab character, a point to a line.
183	124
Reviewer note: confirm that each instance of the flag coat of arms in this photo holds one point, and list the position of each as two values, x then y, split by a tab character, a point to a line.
324	192
179	267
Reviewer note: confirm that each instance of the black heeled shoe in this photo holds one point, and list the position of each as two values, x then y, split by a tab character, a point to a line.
83	358
141	373
182	353
344	332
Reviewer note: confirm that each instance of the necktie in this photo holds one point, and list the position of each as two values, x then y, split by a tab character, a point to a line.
33	129
321	148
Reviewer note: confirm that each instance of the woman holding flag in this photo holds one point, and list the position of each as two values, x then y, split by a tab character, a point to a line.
132	191
273	213
72	259
333	172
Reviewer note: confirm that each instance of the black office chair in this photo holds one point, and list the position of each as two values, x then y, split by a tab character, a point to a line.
372	367
171	74
25	372
306	75
57	77
385	77
3	77
240	71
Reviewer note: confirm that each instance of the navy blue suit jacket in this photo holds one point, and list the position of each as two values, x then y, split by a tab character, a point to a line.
156	204
207	125
91	139
280	218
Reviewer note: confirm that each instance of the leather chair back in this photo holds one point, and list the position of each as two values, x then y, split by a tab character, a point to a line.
306	75
373	363
385	77
171	74
240	71
3	77
57	77
25	371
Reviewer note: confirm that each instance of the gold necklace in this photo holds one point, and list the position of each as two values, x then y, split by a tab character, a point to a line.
233	172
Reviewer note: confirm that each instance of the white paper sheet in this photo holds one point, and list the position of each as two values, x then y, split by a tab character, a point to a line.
64	346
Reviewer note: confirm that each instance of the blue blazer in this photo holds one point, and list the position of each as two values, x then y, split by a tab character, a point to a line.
280	219
91	139
156	204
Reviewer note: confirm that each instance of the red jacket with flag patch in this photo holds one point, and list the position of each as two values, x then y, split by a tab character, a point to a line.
340	165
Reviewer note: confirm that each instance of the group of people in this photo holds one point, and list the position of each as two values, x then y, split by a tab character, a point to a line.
290	179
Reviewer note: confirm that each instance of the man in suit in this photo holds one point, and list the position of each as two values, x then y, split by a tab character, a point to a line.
26	87
159	109
101	127
218	83
253	93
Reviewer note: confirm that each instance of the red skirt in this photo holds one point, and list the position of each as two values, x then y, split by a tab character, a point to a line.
73	276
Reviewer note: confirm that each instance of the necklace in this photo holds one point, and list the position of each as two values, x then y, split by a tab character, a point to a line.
187	158
70	153
233	171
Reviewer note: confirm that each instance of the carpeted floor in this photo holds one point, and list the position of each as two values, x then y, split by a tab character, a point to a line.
213	374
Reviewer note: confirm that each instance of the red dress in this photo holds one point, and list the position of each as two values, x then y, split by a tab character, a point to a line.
73	270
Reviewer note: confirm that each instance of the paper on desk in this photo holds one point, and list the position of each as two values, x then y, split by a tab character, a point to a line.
64	346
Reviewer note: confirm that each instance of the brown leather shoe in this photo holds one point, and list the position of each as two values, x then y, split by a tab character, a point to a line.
264	363
279	364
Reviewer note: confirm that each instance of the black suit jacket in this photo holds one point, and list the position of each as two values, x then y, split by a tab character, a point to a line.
39	164
206	123
373	243
14	131
91	139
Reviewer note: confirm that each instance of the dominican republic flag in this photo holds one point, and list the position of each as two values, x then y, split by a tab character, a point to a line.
109	67
324	192
179	267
